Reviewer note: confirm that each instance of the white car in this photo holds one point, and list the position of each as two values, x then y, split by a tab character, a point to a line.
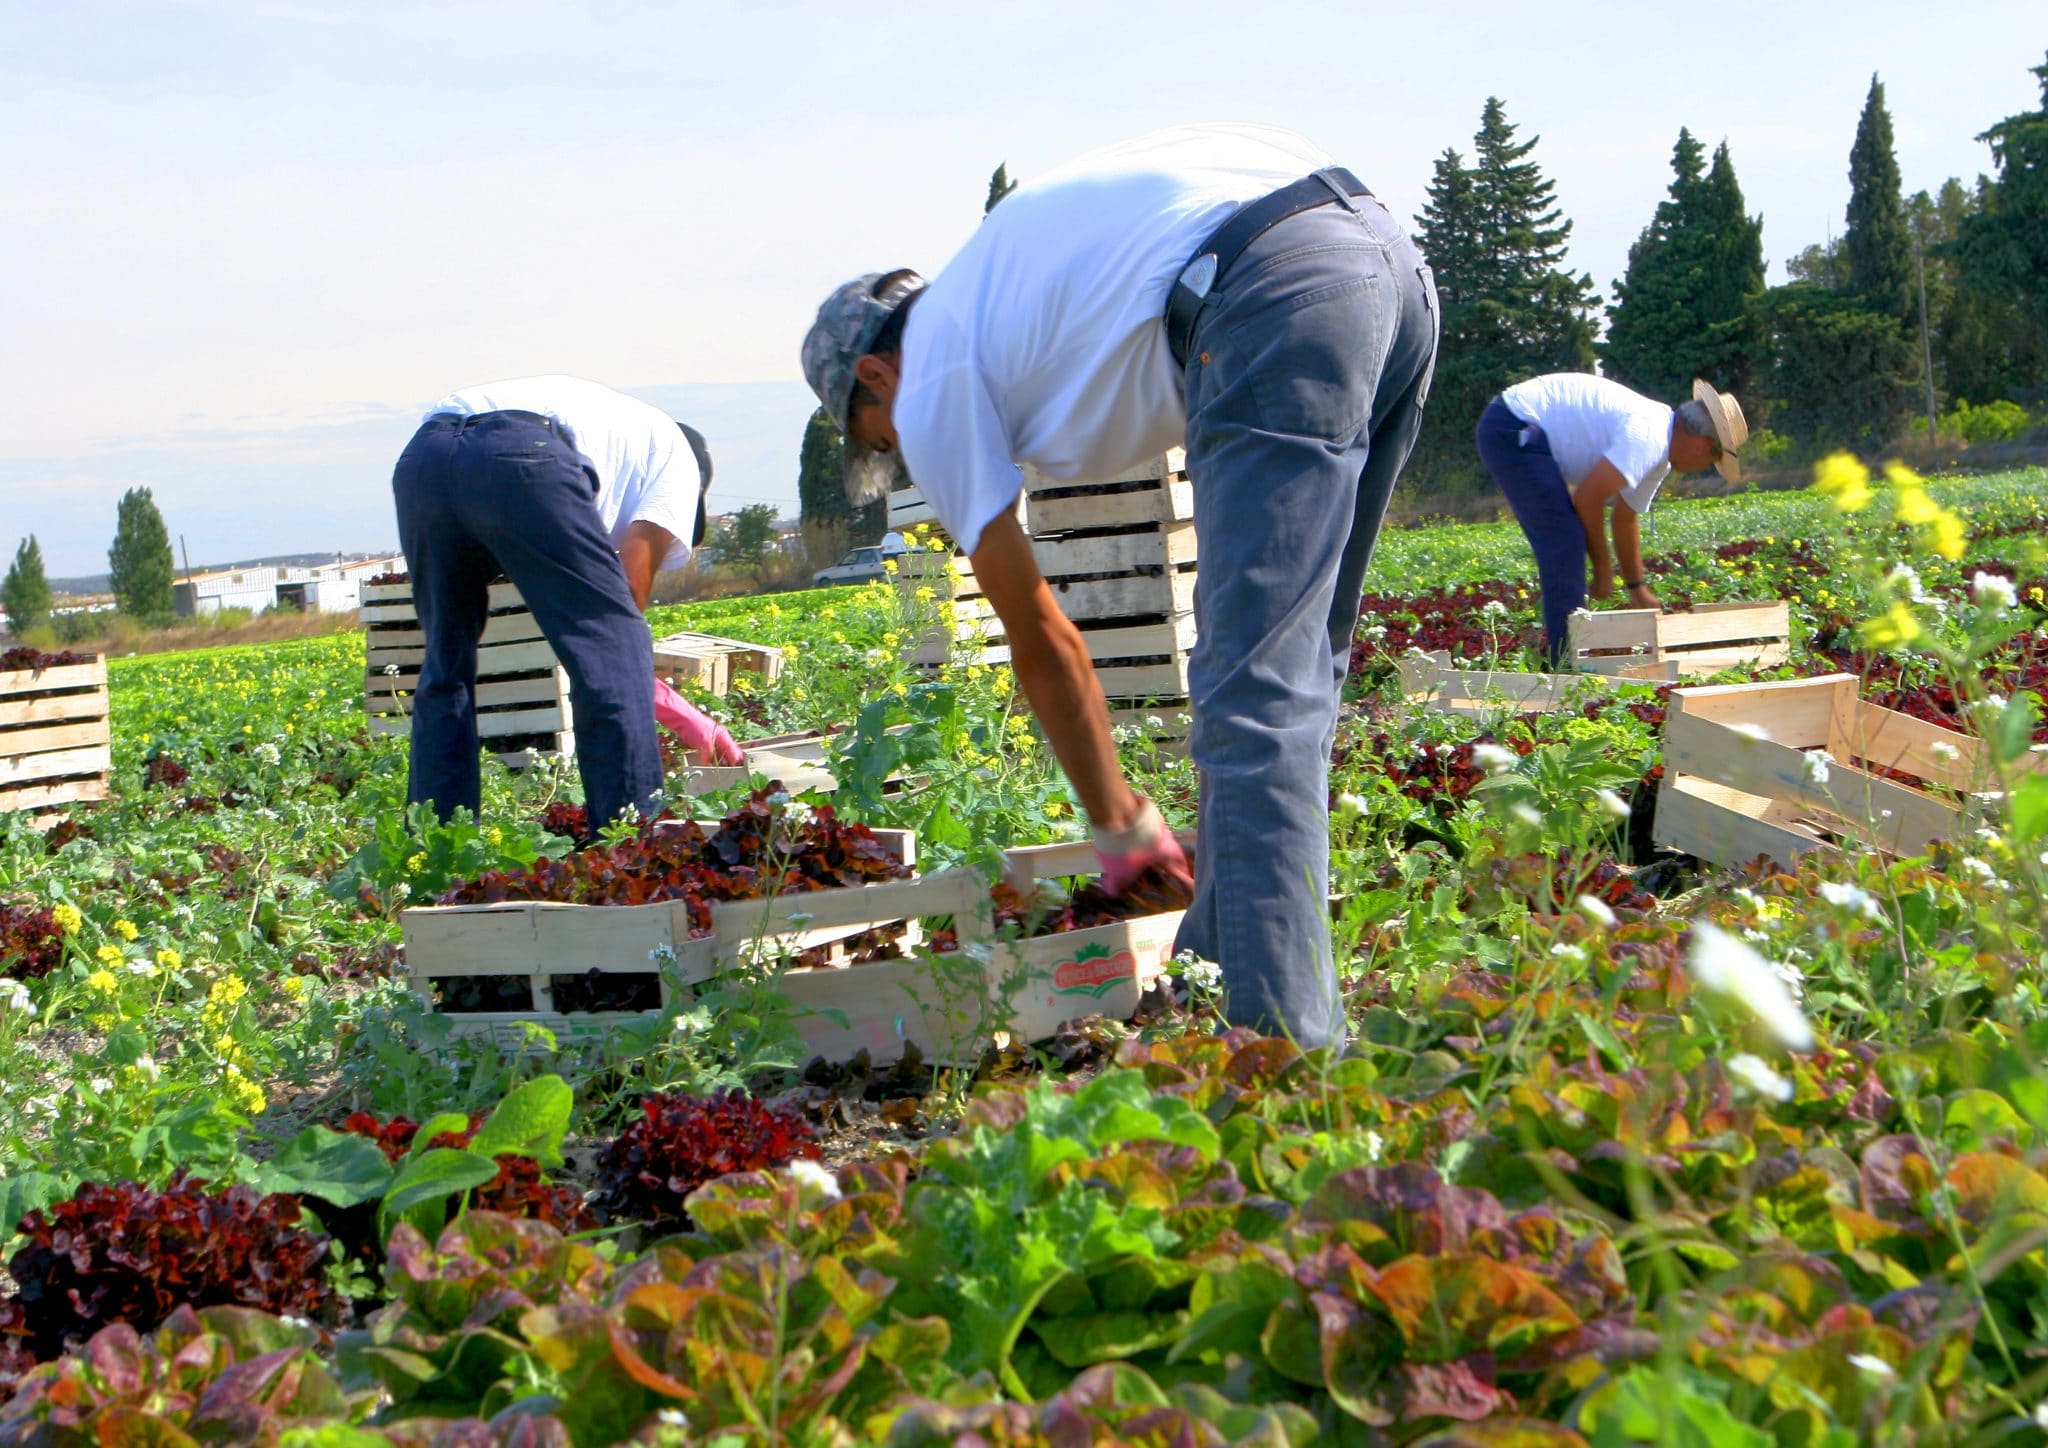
863	565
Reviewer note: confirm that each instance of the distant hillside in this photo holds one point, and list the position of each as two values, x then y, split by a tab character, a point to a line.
92	584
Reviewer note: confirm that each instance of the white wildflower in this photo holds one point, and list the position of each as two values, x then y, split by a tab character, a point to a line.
1852	898
14	997
672	1418
147	1068
1755	1073
1995	593
662	955
2041	1415
1815	767
780	797
1527	814
1877	1367
1596	910
100	1085
1572	954
1907	582
815	1185
1979	868
1354	803
1375	1144
267	753
1494	759
1725	966
1946	753
1201	975
391	671
1612	803
875	656
1494	609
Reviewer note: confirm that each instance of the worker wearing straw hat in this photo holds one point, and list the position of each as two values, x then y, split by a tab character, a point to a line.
1570	447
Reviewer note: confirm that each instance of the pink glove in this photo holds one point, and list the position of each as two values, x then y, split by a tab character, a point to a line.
694	727
1128	853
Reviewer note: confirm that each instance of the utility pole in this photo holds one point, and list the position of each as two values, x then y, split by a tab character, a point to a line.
1926	344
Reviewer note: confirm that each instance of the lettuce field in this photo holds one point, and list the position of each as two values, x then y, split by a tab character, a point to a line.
1627	1148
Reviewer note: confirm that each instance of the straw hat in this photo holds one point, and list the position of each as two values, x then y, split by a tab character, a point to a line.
1731	430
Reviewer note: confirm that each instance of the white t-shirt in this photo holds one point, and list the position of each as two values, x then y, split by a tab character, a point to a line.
1587	418
646	470
1044	339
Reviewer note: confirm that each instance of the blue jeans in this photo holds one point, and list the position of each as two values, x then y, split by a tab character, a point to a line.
1518	456
505	492
1306	377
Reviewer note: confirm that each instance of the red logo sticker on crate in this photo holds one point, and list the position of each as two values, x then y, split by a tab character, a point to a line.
1093	971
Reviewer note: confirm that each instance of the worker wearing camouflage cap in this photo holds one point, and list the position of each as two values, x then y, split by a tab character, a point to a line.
1226	286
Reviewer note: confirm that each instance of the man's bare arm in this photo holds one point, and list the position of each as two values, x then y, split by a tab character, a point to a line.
645	546
1053	668
1589	500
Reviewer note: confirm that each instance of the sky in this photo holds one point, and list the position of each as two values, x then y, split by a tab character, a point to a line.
245	244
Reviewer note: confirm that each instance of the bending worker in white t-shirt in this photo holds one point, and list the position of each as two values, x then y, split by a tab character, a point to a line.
579	495
1569	447
1224	285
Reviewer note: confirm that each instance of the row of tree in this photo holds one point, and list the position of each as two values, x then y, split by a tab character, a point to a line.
1833	357
142	572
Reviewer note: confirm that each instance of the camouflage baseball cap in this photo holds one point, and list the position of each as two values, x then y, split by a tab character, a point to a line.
848	323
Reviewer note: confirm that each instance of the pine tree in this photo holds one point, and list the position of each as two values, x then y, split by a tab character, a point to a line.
140	559
25	595
1877	247
999	186
2002	250
1842	374
1496	241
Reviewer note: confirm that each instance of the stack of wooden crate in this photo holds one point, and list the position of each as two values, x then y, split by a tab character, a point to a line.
55	744
1121	561
522	690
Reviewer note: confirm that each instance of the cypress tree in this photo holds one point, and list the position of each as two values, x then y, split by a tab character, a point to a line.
1496	239
1876	246
999	186
140	559
1652	324
25	594
1731	339
821	487
2001	249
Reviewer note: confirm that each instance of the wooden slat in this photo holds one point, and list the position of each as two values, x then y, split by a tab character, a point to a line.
1126	597
52	709
511	628
1728	826
1899	741
552	719
55	764
1716	626
1103	971
58	736
519	658
490	693
1122	641
89	675
1144	681
1622	628
1797	712
1170	501
1169	546
1698	663
45	796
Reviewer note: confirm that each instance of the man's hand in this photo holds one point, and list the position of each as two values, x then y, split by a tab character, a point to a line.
1641	597
697	730
1144	844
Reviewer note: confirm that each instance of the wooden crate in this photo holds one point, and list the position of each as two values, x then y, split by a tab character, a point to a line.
1429	680
1103	971
56	746
1740	777
1714	636
544	944
522	690
712	663
798	760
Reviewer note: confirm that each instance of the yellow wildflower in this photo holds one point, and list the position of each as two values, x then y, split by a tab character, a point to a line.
1912	506
1844	481
296	986
126	929
495	835
790	652
108	955
1947	536
169	958
247	1096
925	593
103	981
889	567
68	919
415	861
1894	627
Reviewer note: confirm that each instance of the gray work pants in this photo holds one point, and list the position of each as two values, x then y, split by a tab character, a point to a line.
1306	377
